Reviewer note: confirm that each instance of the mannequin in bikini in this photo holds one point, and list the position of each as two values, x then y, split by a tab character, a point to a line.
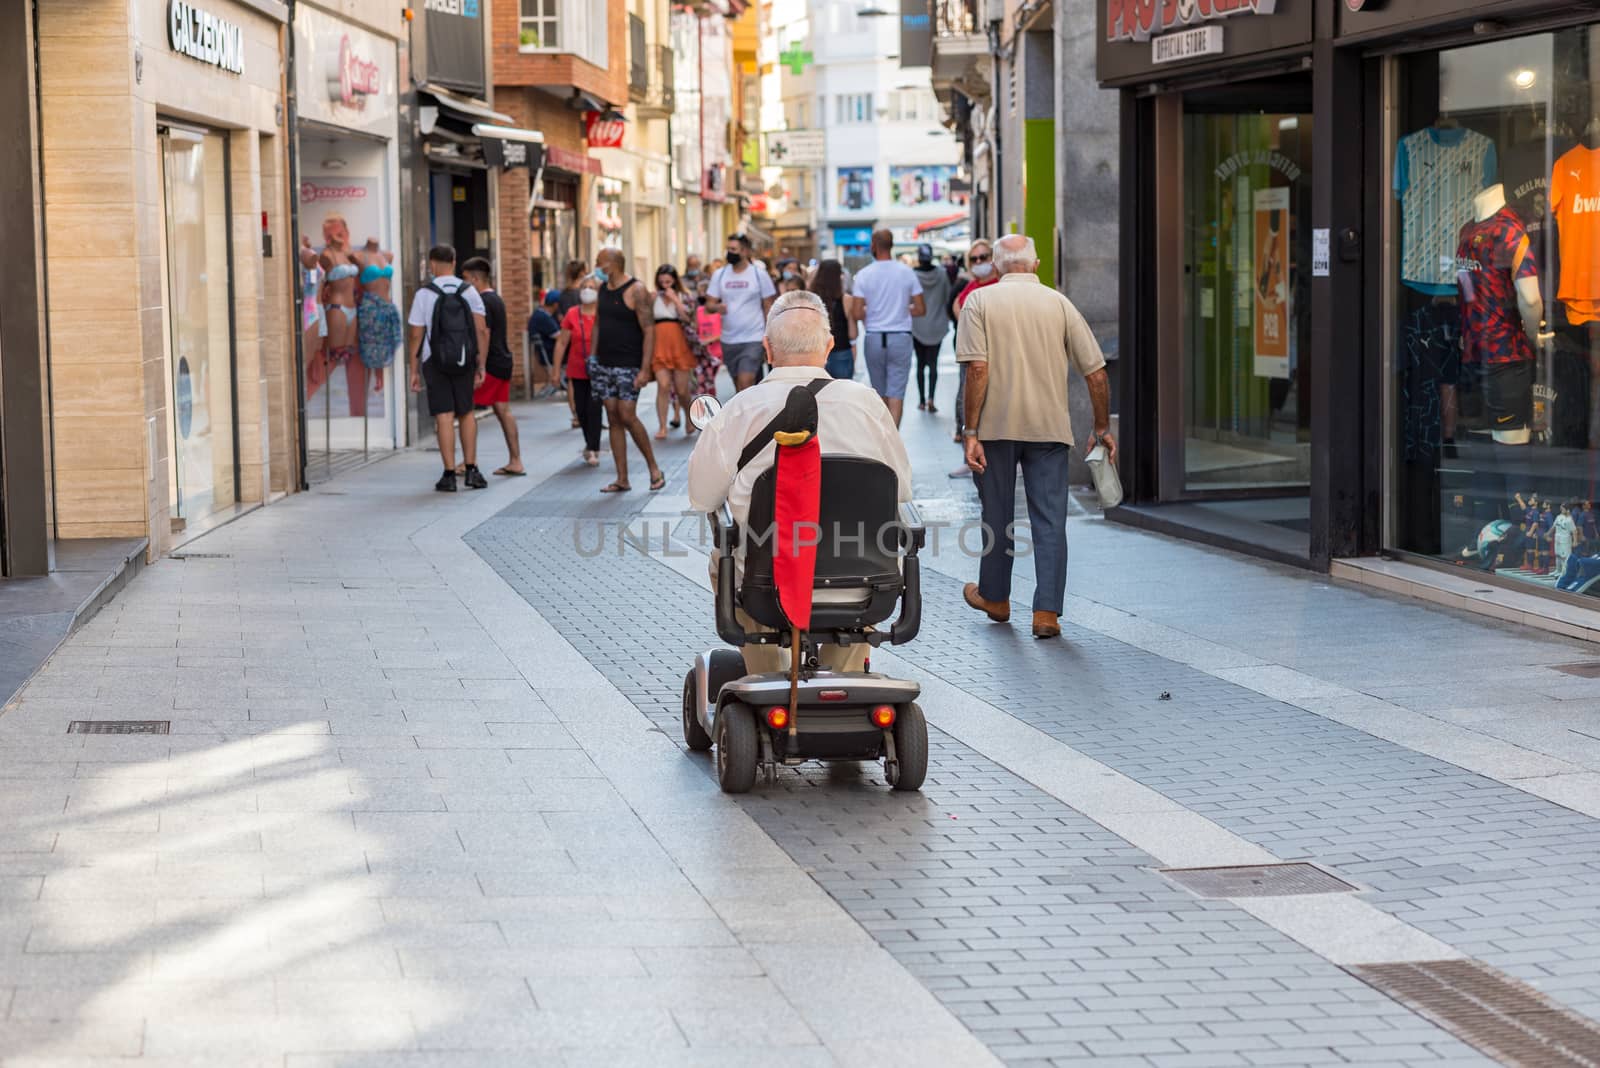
332	339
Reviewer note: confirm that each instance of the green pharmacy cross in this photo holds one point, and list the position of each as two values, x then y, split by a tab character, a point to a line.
795	59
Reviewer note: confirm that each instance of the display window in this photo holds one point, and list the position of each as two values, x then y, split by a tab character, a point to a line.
1247	312
1495	206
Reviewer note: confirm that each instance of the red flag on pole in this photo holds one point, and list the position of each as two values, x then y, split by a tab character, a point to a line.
796	534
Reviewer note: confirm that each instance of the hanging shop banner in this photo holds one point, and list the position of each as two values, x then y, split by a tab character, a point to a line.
685	125
1271	278
453	32
716	115
345	76
602	132
916	34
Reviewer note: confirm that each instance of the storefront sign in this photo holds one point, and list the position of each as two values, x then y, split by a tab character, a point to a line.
453	32
602	132
1137	20
1271	280
345	75
1200	41
201	35
916	34
567	160
860	235
796	148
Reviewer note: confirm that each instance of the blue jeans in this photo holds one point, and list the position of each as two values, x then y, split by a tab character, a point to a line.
1044	477
842	363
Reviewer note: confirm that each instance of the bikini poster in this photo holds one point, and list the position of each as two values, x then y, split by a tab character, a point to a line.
1271	282
333	394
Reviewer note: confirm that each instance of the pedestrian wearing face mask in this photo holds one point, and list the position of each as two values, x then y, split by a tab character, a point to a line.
572	350
980	264
741	292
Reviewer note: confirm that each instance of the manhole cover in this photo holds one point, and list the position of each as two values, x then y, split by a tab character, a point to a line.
1584	669
1260	880
120	726
1489	1010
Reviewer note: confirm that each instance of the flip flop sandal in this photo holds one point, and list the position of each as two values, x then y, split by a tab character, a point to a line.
510	473
658	483
615	487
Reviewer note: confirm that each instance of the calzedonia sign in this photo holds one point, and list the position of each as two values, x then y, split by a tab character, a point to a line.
1139	20
201	35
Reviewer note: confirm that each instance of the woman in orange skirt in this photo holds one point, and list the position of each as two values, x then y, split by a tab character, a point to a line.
674	360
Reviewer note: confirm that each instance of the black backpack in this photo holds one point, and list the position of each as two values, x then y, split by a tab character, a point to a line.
453	334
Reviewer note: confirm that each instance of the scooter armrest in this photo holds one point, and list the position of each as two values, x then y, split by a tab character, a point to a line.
915	534
728	628
724	531
905	628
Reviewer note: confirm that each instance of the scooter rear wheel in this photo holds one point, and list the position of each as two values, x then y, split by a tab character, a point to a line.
738	748
694	735
910	748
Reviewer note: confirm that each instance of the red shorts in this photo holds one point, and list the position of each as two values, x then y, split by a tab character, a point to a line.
493	391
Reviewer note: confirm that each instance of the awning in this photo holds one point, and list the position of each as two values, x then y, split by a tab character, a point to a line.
943	221
464	107
757	236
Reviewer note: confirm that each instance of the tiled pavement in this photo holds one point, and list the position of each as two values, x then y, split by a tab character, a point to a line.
406	819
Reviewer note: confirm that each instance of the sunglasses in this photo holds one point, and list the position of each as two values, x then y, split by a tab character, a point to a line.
980	258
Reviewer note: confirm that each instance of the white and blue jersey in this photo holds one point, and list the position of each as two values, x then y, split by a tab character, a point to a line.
1437	172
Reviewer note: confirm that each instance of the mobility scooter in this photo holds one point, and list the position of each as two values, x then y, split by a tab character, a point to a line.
865	565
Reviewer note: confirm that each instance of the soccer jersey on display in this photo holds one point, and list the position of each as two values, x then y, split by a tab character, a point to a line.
1491	257
1575	199
1437	172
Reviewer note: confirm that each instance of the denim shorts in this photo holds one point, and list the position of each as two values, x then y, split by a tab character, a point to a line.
888	357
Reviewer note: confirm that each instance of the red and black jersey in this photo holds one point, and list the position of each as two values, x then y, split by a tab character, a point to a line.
1491	256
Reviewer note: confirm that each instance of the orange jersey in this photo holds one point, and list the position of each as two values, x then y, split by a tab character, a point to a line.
1575	200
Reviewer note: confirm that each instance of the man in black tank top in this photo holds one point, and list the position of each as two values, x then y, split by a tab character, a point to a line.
620	364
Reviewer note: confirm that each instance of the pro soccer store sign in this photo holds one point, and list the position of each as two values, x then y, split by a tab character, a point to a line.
345	76
1138	38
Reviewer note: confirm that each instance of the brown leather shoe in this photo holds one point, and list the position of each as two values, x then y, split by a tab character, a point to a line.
999	611
1046	625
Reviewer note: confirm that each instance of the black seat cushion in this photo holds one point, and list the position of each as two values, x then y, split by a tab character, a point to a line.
858	564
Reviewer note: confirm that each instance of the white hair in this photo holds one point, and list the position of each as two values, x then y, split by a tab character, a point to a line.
798	325
1015	252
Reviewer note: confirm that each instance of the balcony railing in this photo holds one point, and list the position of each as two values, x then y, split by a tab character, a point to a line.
956	18
658	98
638	60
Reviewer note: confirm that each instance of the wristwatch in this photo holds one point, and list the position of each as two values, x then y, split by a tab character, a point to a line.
969	433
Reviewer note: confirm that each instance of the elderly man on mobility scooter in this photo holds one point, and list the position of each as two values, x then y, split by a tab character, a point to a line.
808	487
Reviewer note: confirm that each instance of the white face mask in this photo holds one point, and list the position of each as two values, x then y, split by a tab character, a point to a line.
588	296
982	270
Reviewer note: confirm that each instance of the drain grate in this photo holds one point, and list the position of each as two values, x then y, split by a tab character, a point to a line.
120	726
1258	880
202	556
1584	669
1489	1010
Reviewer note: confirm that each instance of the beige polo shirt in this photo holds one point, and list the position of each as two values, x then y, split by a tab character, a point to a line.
1028	333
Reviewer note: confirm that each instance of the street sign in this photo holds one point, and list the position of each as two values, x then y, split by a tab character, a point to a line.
796	148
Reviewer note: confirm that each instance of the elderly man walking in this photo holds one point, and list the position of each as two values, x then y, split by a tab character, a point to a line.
1016	340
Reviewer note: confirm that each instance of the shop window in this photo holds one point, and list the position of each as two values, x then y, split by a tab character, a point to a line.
1496	362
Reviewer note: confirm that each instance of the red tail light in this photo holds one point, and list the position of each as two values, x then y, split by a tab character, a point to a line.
833	695
777	717
883	716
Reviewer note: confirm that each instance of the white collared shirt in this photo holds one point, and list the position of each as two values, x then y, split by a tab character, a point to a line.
852	420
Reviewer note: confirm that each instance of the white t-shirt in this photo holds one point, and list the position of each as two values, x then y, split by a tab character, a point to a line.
742	292
422	305
887	286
